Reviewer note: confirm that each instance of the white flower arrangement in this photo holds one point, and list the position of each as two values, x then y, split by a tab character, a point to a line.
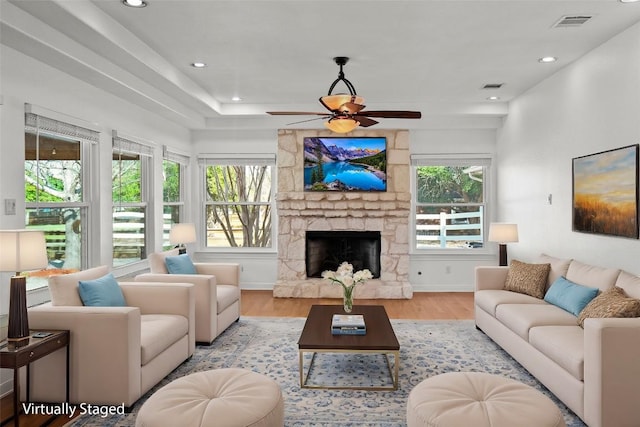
345	277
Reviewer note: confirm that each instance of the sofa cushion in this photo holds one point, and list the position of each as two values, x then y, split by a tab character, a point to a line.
101	292
570	296
559	267
158	332
180	264
64	287
630	284
529	279
489	299
227	295
520	318
562	344
156	261
611	303
591	275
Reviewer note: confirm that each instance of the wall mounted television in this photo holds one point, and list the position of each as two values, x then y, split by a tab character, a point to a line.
343	163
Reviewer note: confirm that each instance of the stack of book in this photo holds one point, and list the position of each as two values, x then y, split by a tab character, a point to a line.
348	324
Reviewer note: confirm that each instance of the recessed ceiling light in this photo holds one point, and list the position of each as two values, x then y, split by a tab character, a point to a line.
236	99
628	1
493	98
547	59
135	3
198	64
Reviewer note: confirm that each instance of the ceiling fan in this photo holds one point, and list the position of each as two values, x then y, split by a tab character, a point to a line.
347	110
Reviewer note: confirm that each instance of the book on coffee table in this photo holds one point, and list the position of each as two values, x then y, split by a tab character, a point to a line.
348	324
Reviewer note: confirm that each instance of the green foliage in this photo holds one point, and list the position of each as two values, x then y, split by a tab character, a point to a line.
318	173
127	183
31	195
377	161
447	184
171	185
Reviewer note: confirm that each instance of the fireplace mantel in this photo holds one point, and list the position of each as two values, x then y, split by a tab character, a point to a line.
387	212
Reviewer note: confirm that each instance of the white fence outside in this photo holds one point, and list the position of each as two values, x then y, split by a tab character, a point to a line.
443	223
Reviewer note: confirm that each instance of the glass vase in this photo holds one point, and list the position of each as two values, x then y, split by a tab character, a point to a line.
347	300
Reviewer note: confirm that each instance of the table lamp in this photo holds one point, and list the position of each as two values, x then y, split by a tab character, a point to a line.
503	233
22	250
181	234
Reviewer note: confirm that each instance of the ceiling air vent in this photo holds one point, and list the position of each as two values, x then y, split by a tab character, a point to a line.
492	86
571	21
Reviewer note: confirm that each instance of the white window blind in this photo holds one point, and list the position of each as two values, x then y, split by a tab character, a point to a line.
35	123
237	159
131	145
174	156
475	159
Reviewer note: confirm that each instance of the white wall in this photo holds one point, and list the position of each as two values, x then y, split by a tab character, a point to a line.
590	106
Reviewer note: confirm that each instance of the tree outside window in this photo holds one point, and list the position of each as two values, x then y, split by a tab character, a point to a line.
239	205
54	193
450	206
172	174
129	207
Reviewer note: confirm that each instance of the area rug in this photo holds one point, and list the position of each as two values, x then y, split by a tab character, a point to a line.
269	346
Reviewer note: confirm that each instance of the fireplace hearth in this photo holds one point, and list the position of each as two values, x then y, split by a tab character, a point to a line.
326	250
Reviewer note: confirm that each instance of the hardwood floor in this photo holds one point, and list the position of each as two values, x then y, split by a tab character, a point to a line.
423	305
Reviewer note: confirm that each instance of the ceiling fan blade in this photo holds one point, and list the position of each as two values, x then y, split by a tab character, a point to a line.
364	121
296	113
351	107
392	114
308	120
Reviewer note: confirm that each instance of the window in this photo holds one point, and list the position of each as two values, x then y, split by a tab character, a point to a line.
450	200
238	202
57	192
130	173
173	174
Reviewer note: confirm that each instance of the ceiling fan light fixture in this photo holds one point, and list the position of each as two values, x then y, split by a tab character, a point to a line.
334	102
341	124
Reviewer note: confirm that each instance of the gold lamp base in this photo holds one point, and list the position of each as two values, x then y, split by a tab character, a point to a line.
18	320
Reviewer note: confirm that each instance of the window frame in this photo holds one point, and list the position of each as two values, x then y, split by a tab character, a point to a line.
238	159
39	121
182	160
124	144
472	159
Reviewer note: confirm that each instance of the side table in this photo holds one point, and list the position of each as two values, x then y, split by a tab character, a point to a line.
16	354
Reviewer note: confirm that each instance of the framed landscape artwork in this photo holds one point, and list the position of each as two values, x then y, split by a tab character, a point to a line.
345	164
605	192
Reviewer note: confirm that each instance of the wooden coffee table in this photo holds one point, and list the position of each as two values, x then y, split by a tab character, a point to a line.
316	338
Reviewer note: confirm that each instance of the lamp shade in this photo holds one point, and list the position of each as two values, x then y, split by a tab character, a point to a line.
335	102
182	233
22	250
503	233
341	125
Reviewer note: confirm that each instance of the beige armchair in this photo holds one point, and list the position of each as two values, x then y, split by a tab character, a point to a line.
217	289
116	353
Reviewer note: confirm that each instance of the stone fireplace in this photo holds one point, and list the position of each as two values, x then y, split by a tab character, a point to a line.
299	212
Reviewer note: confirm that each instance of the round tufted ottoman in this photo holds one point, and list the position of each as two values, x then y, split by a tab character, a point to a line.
220	397
460	399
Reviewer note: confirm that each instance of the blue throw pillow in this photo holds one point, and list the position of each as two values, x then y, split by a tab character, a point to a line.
570	296
180	264
102	292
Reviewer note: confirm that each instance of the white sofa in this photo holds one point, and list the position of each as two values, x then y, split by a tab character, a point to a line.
217	288
116	353
595	371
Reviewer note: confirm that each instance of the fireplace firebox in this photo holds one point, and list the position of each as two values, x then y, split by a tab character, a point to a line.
326	250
